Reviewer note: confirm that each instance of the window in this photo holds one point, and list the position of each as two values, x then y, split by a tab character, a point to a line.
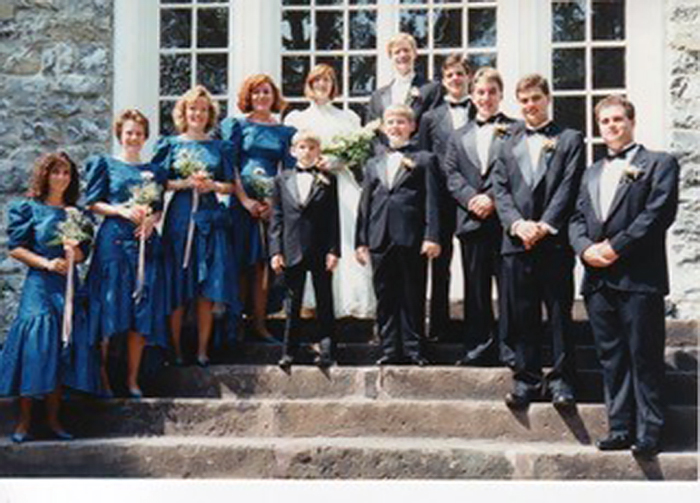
588	62
194	48
340	33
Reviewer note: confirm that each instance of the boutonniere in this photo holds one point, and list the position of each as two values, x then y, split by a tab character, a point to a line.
408	163
414	92
549	144
321	178
500	130
632	172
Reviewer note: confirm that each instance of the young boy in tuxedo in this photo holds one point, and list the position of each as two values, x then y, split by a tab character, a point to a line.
305	236
397	228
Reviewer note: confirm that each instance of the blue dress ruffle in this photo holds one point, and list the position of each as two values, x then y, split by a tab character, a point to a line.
113	269
258	145
33	361
212	272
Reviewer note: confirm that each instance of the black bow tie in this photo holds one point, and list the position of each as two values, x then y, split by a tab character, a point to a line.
402	149
622	154
461	104
311	170
490	120
547	130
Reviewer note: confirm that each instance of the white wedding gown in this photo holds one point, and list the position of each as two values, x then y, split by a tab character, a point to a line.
353	294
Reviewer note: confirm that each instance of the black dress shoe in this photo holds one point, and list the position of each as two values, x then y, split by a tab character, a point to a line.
645	448
387	360
419	361
521	396
614	443
323	361
285	362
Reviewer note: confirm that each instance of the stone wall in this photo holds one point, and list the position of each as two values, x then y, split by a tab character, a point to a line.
55	93
683	67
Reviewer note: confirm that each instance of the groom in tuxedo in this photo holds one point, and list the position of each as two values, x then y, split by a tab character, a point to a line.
626	203
469	163
536	179
436	127
397	228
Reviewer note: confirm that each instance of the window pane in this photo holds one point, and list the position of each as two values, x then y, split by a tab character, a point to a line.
363	30
329	30
415	22
223	109
412	1
296	2
175	74
437	65
212	28
608	68
175	1
608	20
294	70
363	75
421	65
482	28
570	112
329	2
212	72
476	61
175	28
165	117
336	62
447	1
568	67
599	151
568	21
447	30
360	109
296	30
363	2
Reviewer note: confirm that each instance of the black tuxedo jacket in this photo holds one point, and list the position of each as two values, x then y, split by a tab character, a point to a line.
560	170
403	215
643	207
436	128
304	229
428	95
462	168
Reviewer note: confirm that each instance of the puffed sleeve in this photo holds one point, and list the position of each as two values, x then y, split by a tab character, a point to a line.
20	228
229	159
163	157
289	161
230	130
97	180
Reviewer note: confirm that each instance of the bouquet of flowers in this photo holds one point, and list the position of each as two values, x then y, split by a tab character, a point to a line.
76	227
354	148
188	163
261	185
146	194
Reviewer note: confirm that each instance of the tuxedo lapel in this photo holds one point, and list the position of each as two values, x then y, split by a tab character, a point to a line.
594	187
491	155
445	122
291	184
542	166
386	96
380	167
469	144
522	159
402	172
623	186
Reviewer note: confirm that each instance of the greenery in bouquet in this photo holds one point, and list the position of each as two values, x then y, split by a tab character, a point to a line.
260	184
77	226
354	148
188	162
147	193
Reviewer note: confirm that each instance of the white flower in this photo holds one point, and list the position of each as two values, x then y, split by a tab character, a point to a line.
414	92
549	144
500	129
408	163
632	172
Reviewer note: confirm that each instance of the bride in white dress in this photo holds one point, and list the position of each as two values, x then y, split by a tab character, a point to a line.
353	294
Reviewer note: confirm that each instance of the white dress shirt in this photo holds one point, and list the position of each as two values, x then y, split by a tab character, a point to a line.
400	88
610	179
458	114
534	147
484	137
393	164
304	181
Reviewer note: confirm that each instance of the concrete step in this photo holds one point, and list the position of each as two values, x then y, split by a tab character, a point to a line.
468	419
334	458
677	357
404	382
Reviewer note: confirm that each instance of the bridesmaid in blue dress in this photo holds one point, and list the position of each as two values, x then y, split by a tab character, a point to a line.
262	143
34	362
121	302
209	275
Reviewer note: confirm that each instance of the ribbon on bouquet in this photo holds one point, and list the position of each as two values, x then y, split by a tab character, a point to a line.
68	304
190	229
141	269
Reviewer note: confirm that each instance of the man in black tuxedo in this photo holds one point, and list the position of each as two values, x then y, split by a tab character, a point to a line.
407	87
536	179
397	228
469	163
305	236
626	203
436	126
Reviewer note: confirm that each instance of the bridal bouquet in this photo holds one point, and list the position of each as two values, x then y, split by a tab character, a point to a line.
354	148
260	184
76	227
146	195
188	163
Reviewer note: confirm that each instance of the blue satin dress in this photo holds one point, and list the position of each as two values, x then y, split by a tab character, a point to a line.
259	145
33	361
212	272
112	278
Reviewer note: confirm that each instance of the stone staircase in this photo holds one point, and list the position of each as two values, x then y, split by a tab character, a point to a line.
244	418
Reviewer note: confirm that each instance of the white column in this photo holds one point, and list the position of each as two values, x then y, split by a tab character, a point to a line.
136	66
